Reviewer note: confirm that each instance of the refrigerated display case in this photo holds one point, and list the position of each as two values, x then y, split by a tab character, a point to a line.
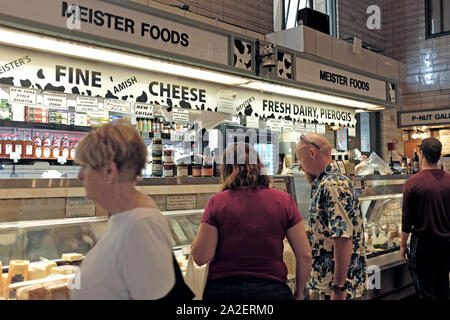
381	204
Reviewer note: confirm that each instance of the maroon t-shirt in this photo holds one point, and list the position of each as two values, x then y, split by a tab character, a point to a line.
252	224
426	204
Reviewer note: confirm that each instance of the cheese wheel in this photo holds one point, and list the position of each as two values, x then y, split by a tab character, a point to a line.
33	292
72	257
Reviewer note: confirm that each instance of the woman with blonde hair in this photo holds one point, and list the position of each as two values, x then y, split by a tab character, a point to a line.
241	234
133	258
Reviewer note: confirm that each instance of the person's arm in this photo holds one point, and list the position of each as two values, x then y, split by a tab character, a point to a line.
403	248
408	209
204	245
298	241
343	248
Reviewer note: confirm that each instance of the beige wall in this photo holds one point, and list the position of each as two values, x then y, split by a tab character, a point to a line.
254	15
427	60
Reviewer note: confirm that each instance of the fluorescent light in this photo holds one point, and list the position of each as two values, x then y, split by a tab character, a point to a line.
310	95
74	49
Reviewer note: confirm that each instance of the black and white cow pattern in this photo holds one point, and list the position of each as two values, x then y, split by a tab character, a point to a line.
284	65
242	55
392	92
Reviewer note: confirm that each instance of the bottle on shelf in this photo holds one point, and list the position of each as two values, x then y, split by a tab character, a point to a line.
17	144
144	125
37	146
27	147
65	146
73	147
46	146
55	147
8	145
416	166
2	146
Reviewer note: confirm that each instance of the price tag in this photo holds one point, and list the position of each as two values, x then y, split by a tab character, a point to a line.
157	135
86	104
15	156
252	122
274	125
310	127
352	132
62	160
117	106
288	126
320	128
180	114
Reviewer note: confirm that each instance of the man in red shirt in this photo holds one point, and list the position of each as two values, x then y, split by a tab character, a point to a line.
426	214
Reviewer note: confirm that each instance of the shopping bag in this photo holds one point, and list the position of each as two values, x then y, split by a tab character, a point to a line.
195	277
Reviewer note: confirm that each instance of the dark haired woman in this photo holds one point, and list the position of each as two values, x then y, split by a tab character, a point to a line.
242	233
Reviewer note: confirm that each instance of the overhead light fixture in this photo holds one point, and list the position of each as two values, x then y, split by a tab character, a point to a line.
309	95
75	49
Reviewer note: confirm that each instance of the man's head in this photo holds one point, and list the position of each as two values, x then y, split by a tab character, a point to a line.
431	149
314	154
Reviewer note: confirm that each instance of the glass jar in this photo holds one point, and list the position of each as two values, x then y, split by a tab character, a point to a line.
157	167
169	169
207	170
196	170
182	170
157	147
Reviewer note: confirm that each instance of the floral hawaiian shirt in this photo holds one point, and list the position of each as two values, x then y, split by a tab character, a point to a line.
335	212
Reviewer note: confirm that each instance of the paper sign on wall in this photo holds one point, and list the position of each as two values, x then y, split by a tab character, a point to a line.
287	126
180	114
22	96
252	122
142	110
274	125
55	101
86	104
117	106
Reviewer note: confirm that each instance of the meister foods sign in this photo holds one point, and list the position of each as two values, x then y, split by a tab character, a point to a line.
90	17
421	118
133	91
329	77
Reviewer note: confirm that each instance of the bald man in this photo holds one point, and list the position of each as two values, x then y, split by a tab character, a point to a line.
336	232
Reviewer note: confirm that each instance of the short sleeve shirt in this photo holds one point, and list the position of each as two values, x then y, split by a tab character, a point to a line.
335	212
251	225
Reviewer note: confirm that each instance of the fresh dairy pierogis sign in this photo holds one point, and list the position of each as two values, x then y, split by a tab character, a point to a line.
102	19
86	78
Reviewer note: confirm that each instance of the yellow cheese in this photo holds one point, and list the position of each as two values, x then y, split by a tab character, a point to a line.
57	290
37	272
33	292
48	265
64	269
18	272
72	257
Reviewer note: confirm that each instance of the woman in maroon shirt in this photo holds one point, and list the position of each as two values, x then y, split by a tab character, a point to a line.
242	232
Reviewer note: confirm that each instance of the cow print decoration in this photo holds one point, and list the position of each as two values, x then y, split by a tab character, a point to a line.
242	55
284	65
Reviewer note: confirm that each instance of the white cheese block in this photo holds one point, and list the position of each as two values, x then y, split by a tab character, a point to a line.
72	257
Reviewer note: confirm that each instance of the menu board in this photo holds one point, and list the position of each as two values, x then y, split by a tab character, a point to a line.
444	137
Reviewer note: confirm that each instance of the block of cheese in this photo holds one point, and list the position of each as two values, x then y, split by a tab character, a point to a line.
3	285
48	264
18	272
64	270
72	257
37	271
57	290
33	292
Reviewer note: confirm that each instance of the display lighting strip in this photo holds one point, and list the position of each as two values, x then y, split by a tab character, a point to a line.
75	49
